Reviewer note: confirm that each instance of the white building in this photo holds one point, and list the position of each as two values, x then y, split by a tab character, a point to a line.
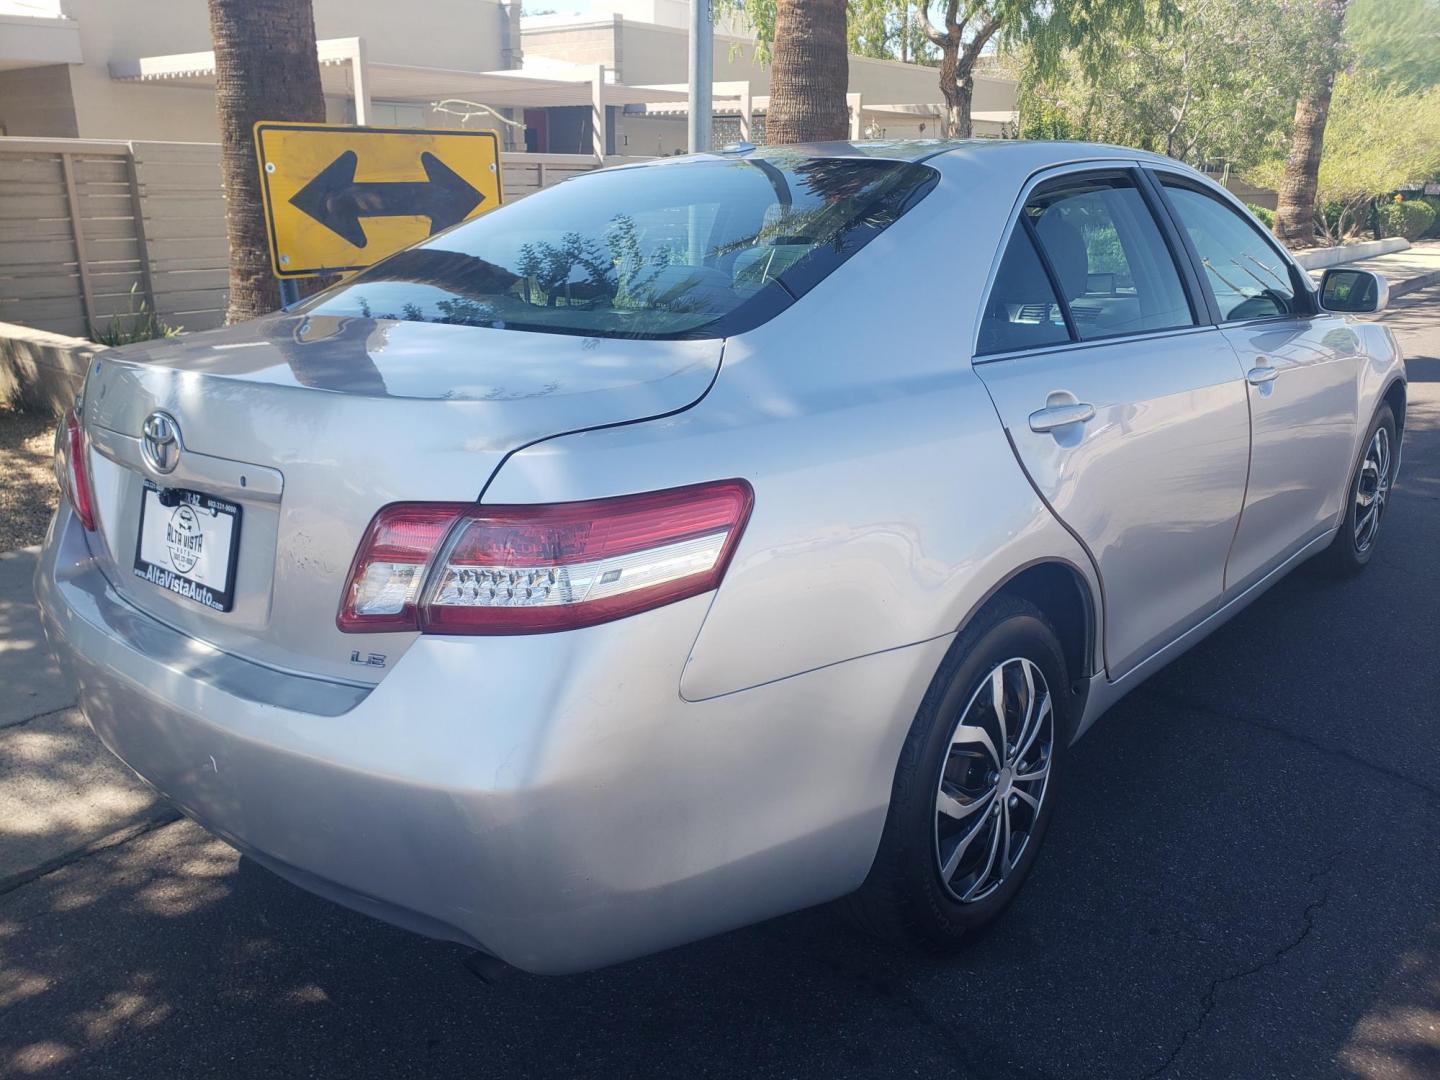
644	43
600	85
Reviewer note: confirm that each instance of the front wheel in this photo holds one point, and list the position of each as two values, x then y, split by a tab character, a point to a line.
974	789
1368	499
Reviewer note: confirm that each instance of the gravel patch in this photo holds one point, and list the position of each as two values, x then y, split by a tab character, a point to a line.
27	478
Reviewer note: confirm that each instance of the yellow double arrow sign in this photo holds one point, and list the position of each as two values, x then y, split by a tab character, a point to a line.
340	198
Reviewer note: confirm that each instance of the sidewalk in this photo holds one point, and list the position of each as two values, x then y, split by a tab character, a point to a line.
61	793
1406	271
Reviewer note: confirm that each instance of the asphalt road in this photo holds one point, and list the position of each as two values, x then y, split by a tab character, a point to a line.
1243	880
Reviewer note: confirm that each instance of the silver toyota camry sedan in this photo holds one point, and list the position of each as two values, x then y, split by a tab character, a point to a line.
699	540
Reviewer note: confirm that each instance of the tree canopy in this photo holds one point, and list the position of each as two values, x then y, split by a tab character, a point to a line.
892	29
1218	85
1398	40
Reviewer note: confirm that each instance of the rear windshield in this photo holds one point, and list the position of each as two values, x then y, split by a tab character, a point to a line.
706	248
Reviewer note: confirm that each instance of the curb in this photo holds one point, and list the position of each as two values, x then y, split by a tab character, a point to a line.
1415	284
157	818
1326	257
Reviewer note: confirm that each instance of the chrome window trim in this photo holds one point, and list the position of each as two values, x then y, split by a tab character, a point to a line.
1199	304
1090	343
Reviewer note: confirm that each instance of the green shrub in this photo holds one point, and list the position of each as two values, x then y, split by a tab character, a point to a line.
1332	223
1411	218
1267	217
138	324
1432	201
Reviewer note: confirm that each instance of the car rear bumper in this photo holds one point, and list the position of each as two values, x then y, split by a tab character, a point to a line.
549	799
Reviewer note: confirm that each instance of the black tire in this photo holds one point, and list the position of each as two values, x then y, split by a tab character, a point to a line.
904	898
1346	555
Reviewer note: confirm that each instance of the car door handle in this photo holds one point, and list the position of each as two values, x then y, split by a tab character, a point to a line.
1264	373
1057	416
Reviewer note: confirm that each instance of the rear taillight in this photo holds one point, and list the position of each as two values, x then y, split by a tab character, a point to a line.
389	569
72	470
533	569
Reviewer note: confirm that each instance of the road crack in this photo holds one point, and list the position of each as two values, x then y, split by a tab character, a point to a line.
971	1052
13	724
1209	999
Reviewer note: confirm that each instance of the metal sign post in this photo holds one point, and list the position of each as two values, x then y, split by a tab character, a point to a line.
340	198
702	75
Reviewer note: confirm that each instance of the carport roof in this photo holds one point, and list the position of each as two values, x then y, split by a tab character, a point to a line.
727	105
405	82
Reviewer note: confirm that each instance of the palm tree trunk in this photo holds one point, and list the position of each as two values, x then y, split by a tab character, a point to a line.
265	69
1295	211
809	73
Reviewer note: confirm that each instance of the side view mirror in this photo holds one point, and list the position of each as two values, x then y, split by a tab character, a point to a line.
1349	290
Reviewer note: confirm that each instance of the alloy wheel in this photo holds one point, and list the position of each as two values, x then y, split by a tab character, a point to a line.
1372	489
994	780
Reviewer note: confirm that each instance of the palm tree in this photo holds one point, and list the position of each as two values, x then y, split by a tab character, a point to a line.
809	73
265	69
1295	210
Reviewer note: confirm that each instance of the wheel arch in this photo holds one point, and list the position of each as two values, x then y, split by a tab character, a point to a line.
1395	396
1063	594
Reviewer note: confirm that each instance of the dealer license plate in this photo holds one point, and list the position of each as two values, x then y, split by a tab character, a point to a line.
190	546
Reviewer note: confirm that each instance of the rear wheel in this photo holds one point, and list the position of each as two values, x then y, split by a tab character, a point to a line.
1368	499
974	789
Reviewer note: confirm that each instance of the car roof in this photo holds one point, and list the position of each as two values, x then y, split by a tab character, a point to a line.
1022	155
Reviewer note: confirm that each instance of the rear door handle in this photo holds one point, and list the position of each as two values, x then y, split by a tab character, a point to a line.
1260	374
1057	416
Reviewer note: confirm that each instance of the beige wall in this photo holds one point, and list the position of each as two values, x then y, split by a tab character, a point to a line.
36	101
889	82
588	44
644	54
462	34
105	109
658	54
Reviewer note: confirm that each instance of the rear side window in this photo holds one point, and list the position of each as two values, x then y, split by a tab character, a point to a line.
1109	257
1023	311
1247	275
1106	266
701	249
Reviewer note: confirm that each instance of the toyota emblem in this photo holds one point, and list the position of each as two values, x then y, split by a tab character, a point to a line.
161	445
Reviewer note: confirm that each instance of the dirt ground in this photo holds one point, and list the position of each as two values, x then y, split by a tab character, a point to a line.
27	479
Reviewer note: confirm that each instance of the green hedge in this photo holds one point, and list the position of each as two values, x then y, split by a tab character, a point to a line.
1412	218
1432	201
1267	217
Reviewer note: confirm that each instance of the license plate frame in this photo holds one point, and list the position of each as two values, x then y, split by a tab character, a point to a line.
178	554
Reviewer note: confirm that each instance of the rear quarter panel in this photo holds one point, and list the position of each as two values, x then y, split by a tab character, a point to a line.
888	502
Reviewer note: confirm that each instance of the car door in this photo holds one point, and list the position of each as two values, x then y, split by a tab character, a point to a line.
1124	404
1303	372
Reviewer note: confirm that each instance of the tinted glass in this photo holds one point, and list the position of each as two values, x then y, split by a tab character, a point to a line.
1022	312
1110	258
1349	290
1248	277
699	249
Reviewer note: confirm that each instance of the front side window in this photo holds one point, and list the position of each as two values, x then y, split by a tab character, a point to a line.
1247	275
699	249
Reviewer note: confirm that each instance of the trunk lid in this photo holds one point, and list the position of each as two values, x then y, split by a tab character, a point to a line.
309	424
